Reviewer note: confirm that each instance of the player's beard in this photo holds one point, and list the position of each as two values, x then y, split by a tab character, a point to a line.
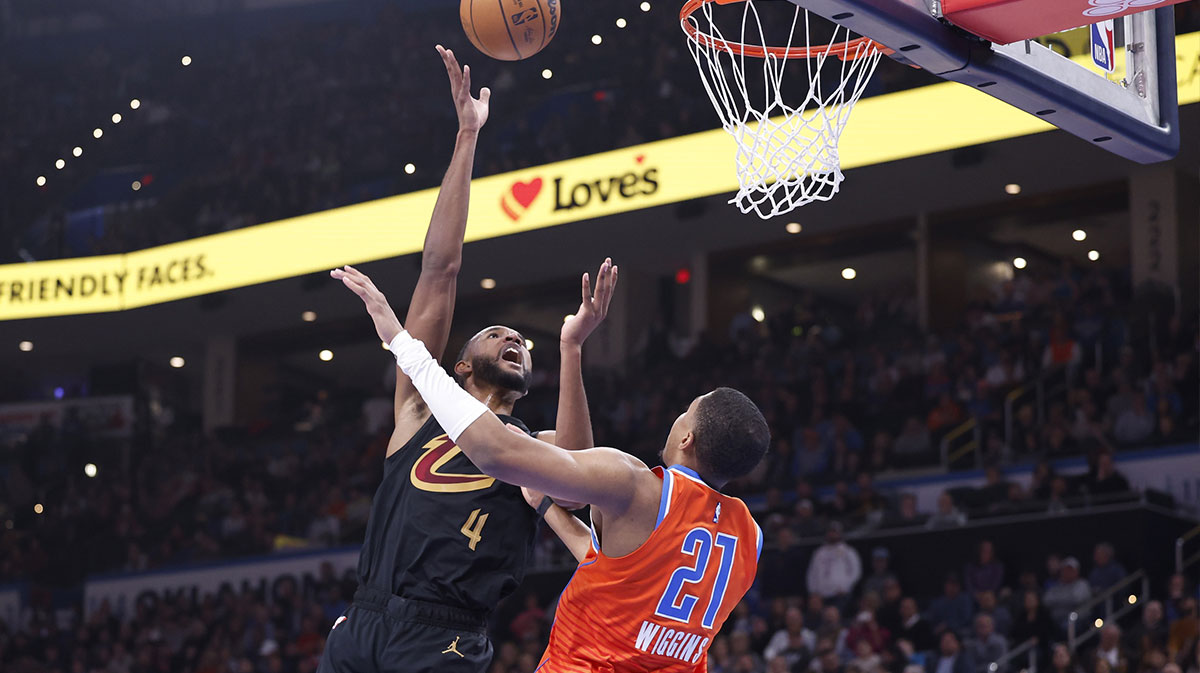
490	373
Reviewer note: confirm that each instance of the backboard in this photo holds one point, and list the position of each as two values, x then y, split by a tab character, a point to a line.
1136	117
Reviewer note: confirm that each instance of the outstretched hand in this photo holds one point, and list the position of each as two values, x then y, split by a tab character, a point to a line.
594	307
387	325
472	112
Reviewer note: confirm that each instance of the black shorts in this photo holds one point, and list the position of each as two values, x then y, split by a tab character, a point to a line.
384	633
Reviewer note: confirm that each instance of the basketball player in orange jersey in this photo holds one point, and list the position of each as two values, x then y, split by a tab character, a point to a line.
669	555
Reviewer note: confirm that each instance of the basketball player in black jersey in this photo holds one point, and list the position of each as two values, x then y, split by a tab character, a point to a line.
445	542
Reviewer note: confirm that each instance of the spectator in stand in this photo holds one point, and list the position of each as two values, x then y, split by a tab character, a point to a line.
812	457
865	659
530	622
1070	592
889	609
1033	621
794	643
913	444
778	571
986	604
1136	424
1106	480
1189	657
835	568
947	515
1177	592
946	415
1062	661
952	610
906	515
914	628
985	573
995	488
827	660
880	573
985	645
745	659
1108	571
1109	650
1185	630
950	657
1150	633
866	628
1062	350
806	523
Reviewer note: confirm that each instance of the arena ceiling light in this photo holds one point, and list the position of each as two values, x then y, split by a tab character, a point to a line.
137	184
621	23
38	509
60	164
90	470
547	73
645	6
177	362
78	151
849	273
117	118
25	346
1012	188
1079	235
488	283
1094	255
135	104
41	181
186	61
758	314
309	316
325	355
410	168
98	133
1020	262
794	227
596	39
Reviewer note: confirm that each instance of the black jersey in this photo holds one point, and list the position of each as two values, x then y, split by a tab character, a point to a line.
442	531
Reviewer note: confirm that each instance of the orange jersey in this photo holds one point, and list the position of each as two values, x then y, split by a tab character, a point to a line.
658	608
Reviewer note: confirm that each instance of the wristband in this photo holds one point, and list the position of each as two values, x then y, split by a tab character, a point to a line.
454	408
544	505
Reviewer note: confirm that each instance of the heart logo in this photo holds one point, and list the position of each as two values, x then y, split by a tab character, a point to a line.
526	192
523	194
640	158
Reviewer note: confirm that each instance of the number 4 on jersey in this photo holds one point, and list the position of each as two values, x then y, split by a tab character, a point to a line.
473	526
698	543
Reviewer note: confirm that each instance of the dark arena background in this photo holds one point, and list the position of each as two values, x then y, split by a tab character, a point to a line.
978	362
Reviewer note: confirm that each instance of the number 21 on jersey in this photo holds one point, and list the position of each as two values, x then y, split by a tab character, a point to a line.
677	603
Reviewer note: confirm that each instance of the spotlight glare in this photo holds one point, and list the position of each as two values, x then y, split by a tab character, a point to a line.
135	104
309	316
90	470
137	184
568	316
794	227
849	274
384	346
97	133
1132	599
488	283
529	344
621	23
25	346
178	362
1099	623
547	73
596	39
116	117
60	164
410	168
41	181
1094	255
186	61
78	151
1020	263
325	355
38	509
1012	188
645	6
1079	235
758	314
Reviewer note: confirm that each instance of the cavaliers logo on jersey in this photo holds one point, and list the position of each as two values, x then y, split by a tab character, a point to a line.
427	475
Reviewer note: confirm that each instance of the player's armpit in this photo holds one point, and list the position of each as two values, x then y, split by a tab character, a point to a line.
600	476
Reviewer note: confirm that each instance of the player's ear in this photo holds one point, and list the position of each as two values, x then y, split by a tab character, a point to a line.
688	442
462	369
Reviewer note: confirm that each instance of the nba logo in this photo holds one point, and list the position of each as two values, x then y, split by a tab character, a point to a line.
1104	49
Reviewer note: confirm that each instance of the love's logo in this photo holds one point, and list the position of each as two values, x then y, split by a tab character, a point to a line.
519	197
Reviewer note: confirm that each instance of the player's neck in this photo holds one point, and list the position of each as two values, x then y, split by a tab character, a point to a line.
498	400
715	484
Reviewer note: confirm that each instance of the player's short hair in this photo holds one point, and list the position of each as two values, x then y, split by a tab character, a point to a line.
731	434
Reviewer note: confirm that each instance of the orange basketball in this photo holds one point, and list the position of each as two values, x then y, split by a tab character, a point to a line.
510	30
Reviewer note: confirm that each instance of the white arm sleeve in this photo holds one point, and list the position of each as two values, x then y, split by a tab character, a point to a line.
454	408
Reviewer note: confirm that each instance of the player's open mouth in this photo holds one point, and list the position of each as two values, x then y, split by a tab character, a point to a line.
512	354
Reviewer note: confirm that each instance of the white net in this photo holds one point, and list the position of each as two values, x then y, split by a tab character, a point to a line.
787	153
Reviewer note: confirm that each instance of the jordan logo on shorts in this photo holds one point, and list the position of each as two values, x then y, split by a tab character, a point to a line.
454	648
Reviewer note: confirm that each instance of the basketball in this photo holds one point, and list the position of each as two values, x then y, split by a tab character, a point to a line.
510	30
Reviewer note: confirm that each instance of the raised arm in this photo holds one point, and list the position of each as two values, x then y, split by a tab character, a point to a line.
606	478
573	533
432	306
573	427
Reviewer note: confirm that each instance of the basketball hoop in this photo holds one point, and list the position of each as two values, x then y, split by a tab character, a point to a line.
787	154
